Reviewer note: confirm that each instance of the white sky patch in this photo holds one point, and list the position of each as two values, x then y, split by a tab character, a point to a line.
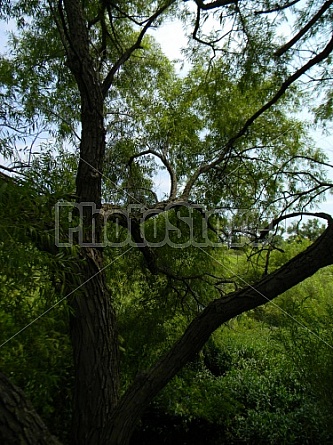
162	184
172	38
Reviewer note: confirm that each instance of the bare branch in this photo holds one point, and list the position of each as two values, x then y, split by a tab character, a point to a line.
264	232
12	170
127	16
310	175
305	29
225	154
278	8
197	39
137	45
216	4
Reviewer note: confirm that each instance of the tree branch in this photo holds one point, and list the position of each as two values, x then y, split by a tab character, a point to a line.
168	166
60	24
11	170
278	8
305	29
264	232
195	33
127	54
146	386
284	87
216	4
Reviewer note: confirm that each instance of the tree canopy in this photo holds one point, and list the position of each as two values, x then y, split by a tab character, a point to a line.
93	115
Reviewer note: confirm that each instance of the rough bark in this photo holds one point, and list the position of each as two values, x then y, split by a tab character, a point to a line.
93	324
95	350
19	422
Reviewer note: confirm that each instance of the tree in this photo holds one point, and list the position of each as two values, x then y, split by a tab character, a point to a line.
310	230
222	133
19	421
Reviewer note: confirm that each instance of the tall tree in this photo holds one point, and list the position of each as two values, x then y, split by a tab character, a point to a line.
221	133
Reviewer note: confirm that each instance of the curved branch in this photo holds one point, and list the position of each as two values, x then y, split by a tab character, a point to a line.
264	232
146	386
195	34
309	175
168	166
225	155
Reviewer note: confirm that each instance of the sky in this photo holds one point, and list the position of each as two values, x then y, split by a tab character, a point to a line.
172	39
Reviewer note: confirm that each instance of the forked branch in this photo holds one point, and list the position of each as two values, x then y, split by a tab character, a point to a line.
226	151
137	45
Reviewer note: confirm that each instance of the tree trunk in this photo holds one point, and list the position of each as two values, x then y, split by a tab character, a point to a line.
19	422
98	416
95	350
93	322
